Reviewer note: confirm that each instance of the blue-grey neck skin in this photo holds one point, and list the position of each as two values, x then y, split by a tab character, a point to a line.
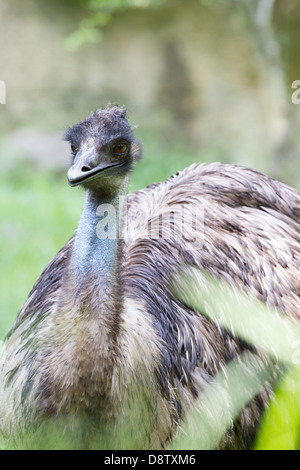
95	250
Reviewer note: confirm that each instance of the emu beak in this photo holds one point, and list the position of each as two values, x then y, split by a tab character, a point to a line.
87	165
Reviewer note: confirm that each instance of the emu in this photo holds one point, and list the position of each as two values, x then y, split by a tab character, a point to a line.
102	351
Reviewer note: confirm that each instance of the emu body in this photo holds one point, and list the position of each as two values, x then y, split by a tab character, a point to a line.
102	350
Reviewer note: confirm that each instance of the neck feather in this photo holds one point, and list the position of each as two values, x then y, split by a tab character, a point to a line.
94	265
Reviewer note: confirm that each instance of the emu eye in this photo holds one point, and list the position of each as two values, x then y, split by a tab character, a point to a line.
74	148
120	148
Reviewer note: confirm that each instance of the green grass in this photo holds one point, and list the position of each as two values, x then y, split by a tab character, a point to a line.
38	214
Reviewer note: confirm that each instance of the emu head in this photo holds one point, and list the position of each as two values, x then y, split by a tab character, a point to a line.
104	150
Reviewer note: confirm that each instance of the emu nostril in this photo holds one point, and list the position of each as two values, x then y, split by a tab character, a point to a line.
85	168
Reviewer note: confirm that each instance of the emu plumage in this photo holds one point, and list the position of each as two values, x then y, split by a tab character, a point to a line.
102	349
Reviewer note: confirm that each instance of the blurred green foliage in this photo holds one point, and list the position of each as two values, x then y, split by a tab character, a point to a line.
101	15
242	379
221	402
90	28
280	428
262	326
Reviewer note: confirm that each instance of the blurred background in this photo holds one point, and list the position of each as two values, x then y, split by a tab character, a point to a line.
204	80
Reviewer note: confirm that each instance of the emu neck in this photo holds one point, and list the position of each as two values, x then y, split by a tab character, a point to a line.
95	258
97	235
